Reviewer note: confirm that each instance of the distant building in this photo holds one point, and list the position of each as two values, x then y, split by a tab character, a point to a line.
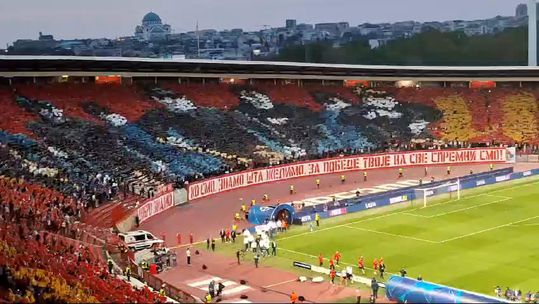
304	27
291	24
522	10
335	29
152	28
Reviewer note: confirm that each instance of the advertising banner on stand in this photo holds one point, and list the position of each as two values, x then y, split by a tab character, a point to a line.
155	206
343	164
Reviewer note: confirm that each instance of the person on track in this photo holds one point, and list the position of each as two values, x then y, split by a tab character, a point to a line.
361	264
364	176
317	183
291	189
343	179
293	297
337	257
382	269
375	265
332	274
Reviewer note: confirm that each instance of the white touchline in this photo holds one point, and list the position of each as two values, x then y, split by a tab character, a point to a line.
527	225
341	225
462	209
481	194
393	234
391	214
488	229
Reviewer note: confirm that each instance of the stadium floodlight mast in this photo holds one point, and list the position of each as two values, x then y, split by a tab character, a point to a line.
446	188
532	32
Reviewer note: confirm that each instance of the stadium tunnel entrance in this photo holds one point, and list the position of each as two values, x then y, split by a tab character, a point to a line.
259	215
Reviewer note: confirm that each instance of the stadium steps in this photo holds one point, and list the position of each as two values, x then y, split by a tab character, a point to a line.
105	216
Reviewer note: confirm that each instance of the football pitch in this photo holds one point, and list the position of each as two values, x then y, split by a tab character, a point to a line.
487	238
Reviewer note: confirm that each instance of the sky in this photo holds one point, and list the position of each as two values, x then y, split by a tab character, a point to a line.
69	19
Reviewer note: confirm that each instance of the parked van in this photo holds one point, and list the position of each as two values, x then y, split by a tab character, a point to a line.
140	239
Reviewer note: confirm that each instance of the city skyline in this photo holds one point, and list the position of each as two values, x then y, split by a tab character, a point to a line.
24	19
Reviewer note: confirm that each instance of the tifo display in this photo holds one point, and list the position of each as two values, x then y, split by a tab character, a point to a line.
118	189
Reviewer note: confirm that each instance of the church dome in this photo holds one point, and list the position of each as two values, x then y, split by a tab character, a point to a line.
151	18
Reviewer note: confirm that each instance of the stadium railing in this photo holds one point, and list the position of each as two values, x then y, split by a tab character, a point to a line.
157	283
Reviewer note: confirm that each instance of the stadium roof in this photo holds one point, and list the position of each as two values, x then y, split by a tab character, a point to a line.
38	66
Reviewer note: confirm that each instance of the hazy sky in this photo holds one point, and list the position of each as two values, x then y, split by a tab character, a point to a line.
112	18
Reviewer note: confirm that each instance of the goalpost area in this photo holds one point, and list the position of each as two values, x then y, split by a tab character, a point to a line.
474	233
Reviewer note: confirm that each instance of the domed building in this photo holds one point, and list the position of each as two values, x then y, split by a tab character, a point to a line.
152	28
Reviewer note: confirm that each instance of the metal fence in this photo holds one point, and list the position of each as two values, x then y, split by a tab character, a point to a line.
156	283
528	158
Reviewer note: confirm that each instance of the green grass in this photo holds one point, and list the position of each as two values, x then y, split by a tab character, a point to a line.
487	238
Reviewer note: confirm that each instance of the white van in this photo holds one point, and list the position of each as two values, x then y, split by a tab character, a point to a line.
140	239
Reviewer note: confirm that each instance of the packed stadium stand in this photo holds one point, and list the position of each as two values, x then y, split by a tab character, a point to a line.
181	132
66	148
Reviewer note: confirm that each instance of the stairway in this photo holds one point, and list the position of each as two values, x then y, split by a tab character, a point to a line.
106	215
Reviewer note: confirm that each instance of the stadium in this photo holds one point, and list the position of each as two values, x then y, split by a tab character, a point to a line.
147	180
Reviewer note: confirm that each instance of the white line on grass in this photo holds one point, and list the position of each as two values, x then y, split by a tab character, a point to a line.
527	225
341	225
462	209
488	229
393	234
395	213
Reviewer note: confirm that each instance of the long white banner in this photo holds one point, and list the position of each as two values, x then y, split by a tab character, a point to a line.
155	206
342	164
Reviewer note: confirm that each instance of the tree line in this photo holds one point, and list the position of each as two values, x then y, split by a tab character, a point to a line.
428	48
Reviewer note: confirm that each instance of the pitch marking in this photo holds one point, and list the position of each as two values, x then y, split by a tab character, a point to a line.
394	235
394	213
488	229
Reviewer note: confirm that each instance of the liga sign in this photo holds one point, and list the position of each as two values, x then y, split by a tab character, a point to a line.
344	164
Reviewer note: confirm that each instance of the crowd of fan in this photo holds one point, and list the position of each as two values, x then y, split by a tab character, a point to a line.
173	134
37	266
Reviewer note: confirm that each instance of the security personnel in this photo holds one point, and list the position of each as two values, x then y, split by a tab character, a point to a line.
237	216
291	189
207	298
343	179
243	208
293	297
110	265
491	166
318	183
144	265
401	173
253	202
448	170
364	176
266	198
317	219
128	273
162	292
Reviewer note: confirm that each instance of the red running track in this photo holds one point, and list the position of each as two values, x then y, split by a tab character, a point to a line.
206	216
